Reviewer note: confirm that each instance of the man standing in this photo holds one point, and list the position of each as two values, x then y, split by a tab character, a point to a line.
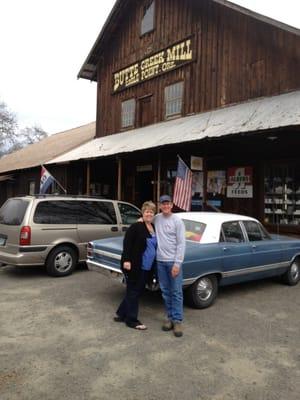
170	233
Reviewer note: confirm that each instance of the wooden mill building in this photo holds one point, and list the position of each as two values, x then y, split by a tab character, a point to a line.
207	80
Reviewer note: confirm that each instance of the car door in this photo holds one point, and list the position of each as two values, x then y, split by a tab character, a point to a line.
267	253
96	220
236	251
128	214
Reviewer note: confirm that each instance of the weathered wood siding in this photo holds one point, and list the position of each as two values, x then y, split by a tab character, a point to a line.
237	58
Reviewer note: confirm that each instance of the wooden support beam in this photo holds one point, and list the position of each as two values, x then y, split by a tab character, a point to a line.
88	177
119	161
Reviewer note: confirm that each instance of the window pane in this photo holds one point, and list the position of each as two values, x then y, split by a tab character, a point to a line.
255	231
129	214
128	113
232	232
173	99
97	212
12	212
193	230
148	19
56	212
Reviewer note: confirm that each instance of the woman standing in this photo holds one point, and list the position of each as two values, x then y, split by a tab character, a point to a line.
139	251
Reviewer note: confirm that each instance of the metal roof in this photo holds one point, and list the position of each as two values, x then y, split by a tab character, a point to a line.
256	115
48	148
89	67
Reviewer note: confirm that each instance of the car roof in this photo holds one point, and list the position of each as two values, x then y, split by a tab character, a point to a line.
213	217
213	222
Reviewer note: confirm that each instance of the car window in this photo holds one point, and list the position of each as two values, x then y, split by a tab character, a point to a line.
232	232
129	214
97	213
56	212
193	230
12	212
255	231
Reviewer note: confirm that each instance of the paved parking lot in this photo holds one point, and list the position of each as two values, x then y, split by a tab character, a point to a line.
58	341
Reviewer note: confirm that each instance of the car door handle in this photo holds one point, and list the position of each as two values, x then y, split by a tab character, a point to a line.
114	229
124	229
225	249
254	246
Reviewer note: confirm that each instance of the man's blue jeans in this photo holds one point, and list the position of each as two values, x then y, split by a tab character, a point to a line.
171	290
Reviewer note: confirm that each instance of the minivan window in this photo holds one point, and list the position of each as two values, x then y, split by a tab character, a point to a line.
12	212
56	212
96	212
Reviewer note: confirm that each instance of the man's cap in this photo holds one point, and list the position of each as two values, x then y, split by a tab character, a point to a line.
164	198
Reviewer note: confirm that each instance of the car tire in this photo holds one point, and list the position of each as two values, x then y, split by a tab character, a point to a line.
61	261
292	275
203	292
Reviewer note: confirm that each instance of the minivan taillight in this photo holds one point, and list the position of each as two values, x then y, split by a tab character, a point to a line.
25	236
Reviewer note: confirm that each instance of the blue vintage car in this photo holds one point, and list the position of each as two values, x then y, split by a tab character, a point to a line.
221	249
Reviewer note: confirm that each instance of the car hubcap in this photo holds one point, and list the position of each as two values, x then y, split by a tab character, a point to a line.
294	271
63	261
204	289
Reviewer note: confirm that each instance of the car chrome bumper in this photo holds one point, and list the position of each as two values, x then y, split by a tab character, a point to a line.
104	269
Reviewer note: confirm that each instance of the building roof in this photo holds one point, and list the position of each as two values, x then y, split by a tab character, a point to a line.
89	67
48	148
256	115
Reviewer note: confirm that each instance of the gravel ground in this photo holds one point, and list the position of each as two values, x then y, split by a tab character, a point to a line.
58	341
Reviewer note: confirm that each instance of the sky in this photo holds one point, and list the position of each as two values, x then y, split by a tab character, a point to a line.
43	45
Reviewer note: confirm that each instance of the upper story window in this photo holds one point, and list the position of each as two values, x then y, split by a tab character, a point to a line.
147	24
128	113
173	99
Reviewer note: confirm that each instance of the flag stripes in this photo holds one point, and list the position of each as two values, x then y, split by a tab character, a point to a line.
182	197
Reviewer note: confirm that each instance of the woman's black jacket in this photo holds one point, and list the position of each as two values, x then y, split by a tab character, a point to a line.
134	245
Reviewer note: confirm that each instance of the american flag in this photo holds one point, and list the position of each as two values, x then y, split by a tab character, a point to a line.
182	197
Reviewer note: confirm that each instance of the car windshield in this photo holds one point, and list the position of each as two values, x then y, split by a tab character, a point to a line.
193	230
12	212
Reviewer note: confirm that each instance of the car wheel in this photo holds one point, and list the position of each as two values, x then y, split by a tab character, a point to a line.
292	275
61	261
203	292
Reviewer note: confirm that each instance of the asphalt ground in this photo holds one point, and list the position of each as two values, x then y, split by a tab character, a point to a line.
58	341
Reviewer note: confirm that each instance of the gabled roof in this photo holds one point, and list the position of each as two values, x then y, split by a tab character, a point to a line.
258	115
89	67
48	148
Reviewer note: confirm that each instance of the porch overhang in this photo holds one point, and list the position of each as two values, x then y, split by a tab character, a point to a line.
258	115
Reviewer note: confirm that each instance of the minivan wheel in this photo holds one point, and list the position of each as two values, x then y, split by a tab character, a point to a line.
61	261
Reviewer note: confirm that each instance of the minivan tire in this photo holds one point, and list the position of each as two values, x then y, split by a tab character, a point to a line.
61	261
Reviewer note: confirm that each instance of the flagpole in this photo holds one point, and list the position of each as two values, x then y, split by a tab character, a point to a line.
182	161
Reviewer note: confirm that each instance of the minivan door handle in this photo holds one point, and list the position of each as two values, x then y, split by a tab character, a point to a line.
114	229
124	229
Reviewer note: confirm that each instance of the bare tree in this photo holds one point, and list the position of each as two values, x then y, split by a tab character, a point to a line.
8	128
11	137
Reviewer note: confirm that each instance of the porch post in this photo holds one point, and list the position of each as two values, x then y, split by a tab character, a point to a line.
119	160
88	178
158	177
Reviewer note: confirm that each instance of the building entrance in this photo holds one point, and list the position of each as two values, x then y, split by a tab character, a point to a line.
144	187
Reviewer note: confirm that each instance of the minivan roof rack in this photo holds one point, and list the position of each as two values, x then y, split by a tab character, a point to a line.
39	195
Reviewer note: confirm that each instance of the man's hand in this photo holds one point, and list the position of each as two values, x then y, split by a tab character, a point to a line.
175	270
127	265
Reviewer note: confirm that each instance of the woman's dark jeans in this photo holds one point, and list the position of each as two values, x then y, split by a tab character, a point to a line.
129	307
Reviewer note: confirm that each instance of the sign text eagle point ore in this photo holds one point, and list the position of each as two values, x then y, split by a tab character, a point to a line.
157	64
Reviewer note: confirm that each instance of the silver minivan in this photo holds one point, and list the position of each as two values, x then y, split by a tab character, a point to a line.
54	230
